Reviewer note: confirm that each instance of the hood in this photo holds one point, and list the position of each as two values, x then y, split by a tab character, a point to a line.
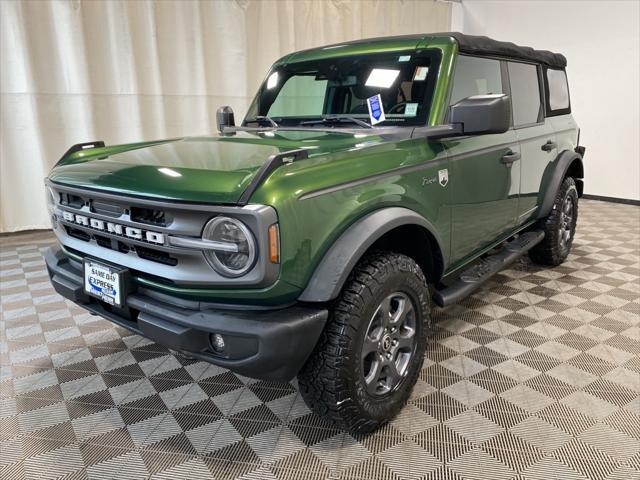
214	169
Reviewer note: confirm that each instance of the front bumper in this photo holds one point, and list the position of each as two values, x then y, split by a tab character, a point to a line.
265	344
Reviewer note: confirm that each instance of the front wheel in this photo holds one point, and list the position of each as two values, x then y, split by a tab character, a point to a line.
370	354
559	227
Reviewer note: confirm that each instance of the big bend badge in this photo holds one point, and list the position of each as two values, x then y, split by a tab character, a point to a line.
443	177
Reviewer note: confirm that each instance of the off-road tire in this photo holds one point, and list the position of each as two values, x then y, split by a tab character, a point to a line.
331	382
552	250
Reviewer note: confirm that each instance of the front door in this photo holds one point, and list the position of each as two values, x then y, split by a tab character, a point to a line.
484	174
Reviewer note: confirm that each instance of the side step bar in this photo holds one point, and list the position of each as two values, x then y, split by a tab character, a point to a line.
475	276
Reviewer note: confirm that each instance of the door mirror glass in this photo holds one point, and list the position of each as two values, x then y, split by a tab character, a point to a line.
482	114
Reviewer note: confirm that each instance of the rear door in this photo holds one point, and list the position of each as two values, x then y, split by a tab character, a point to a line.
538	146
484	182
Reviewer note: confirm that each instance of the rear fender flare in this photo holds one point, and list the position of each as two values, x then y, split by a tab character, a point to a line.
340	259
553	177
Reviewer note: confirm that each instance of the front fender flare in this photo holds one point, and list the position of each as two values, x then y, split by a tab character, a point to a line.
340	259
553	177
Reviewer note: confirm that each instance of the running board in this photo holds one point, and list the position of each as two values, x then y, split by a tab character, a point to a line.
475	276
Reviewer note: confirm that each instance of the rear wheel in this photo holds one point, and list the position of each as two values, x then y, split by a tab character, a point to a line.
559	227
371	352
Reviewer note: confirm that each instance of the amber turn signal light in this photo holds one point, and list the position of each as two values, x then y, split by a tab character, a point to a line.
274	243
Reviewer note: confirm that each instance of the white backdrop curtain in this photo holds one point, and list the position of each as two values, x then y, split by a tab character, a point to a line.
120	71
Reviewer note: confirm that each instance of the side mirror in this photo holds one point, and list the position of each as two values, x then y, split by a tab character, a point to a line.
482	114
225	118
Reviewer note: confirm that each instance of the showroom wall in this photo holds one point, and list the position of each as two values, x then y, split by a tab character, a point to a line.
601	42
121	71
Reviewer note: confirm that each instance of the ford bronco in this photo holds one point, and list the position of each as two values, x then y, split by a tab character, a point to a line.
368	181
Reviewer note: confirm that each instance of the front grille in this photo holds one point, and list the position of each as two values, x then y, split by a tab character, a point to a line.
77	233
71	200
134	272
137	233
156	256
103	241
149	216
108	209
106	242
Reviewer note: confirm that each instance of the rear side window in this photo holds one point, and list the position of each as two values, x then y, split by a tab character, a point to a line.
475	76
525	94
557	92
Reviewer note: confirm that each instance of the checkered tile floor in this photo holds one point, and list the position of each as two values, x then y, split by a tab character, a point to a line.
537	376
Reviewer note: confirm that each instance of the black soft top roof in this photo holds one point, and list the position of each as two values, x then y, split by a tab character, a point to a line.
471	44
479	45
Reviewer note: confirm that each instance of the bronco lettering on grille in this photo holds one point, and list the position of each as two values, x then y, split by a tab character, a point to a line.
114	228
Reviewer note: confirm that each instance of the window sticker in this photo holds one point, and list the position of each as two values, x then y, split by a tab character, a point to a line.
410	109
404	58
421	74
382	78
376	110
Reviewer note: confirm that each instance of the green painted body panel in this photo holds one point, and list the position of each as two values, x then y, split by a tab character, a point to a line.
317	199
373	45
484	191
348	174
214	169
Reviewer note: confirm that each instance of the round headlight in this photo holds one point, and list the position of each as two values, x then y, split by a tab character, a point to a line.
230	231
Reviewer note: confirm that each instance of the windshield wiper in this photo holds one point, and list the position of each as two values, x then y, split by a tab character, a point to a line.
263	119
331	120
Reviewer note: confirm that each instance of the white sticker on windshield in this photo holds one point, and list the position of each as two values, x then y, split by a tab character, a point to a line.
376	111
421	74
410	109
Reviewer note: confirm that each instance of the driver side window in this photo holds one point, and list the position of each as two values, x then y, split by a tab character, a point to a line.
475	76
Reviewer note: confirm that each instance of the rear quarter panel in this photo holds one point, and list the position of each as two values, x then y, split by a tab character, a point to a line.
566	130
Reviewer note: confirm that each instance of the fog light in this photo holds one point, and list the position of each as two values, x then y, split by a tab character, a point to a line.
217	342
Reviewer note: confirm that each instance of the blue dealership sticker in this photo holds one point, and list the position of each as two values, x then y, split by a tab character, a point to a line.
376	111
107	290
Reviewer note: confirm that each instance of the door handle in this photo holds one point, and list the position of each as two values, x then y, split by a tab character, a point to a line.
547	147
510	157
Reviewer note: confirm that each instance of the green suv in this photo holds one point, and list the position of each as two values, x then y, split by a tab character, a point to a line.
368	181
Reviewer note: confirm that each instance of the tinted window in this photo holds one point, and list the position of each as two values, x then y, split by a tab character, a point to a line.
558	89
525	93
475	76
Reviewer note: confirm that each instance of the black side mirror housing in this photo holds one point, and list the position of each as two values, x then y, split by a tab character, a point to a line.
225	118
482	114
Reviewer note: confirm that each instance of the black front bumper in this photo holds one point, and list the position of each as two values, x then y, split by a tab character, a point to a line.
265	344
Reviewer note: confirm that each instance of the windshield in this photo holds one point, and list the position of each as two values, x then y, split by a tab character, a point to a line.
334	91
